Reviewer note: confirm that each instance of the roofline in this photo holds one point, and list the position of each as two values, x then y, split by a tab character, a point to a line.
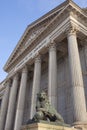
47	15
33	24
39	21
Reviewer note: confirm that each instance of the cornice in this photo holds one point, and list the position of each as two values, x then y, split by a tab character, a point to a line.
77	8
70	7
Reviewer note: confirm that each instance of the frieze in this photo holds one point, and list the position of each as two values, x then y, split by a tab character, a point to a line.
33	35
32	54
28	57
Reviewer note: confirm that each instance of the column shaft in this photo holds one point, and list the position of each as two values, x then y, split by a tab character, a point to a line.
4	106
36	84
12	104
52	87
21	100
78	95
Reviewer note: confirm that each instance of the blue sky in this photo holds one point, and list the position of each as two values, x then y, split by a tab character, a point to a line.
15	15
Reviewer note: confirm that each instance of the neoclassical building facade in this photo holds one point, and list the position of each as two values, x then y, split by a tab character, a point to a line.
51	56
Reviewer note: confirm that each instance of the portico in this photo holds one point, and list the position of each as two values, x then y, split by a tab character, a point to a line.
61	39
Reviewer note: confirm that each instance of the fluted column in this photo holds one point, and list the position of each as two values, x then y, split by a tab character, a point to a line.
21	99
52	87
4	106
36	84
77	90
12	104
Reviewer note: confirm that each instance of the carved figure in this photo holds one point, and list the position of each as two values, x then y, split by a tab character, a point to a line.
45	111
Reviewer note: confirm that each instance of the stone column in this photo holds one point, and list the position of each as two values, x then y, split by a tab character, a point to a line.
4	106
77	90
52	87
36	84
21	99
12	104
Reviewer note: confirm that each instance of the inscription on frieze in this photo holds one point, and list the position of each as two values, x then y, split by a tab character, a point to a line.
32	54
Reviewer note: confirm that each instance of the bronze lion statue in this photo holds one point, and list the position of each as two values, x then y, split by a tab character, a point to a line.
45	111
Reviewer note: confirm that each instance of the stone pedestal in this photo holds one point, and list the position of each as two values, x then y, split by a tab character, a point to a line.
80	125
44	126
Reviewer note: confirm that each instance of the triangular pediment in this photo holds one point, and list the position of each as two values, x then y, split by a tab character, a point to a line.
33	30
85	10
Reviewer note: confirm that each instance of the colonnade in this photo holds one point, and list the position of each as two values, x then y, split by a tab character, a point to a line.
77	87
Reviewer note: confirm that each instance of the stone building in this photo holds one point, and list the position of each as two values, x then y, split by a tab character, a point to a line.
51	56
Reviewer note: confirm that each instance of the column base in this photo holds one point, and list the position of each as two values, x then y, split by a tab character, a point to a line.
80	125
46	126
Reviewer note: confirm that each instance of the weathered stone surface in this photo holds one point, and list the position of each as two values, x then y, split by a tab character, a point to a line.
68	15
77	86
52	83
80	125
4	106
12	104
44	126
21	100
36	84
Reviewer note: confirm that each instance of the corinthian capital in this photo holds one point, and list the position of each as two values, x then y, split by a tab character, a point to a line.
25	69
38	58
52	45
8	82
72	30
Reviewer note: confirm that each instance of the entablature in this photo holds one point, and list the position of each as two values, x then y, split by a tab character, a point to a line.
57	35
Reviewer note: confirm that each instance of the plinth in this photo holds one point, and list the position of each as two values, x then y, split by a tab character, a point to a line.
46	126
80	125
